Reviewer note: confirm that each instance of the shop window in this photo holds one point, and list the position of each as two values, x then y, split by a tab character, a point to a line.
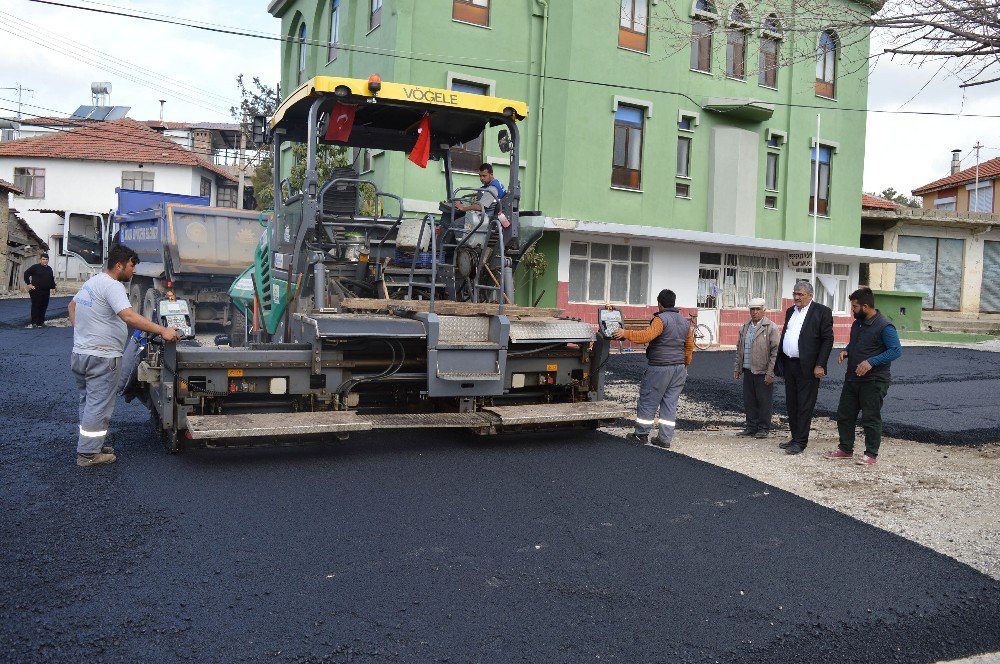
608	273
833	286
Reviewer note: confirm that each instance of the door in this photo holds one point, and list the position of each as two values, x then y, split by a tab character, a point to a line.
709	294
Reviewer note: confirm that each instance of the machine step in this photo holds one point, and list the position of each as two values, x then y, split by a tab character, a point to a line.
266	425
551	413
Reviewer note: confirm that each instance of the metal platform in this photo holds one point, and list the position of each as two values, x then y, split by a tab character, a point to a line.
285	425
553	413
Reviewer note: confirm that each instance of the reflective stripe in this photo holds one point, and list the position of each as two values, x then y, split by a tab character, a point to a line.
668	423
93	434
638	421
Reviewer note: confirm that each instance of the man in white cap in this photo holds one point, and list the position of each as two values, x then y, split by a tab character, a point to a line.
756	351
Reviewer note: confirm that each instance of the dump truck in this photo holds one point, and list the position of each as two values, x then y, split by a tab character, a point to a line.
188	249
362	316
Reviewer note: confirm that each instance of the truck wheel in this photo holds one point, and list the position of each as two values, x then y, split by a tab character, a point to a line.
238	329
135	295
151	304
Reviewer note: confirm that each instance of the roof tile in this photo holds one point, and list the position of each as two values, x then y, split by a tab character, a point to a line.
988	170
120	140
869	201
9	187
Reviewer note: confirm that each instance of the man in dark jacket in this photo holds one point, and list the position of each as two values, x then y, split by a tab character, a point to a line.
670	346
874	345
41	283
806	343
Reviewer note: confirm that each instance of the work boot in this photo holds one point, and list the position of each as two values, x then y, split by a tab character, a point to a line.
107	449
794	448
786	444
657	442
95	459
760	435
747	432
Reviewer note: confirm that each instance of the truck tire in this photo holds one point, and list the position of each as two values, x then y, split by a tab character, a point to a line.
135	293
238	329
151	304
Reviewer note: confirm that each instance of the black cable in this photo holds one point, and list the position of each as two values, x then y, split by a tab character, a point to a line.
563	79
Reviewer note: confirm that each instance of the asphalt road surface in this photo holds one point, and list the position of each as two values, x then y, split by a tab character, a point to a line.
938	395
16	312
434	547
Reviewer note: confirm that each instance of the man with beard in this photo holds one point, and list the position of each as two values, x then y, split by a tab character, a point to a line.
100	315
874	345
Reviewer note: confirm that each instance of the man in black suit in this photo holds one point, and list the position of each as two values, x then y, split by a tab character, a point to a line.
806	343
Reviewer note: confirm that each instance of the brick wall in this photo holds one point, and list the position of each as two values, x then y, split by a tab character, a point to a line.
730	320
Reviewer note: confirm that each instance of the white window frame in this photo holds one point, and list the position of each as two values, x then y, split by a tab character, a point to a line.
742	267
141	179
332	50
588	260
837	301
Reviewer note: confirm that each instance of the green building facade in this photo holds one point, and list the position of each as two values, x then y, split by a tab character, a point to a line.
669	143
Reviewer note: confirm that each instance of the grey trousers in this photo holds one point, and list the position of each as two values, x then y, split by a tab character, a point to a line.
757	398
660	388
97	386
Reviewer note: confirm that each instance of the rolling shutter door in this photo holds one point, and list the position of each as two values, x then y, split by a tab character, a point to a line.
989	300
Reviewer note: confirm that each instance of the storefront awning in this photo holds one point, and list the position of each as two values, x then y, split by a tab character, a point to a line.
823	251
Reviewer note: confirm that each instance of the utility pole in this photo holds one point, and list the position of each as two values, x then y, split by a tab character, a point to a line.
977	147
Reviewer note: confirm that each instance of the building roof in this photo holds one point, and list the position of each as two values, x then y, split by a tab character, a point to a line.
988	170
876	202
4	185
122	140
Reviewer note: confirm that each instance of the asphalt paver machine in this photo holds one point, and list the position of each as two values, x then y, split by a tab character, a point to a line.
361	316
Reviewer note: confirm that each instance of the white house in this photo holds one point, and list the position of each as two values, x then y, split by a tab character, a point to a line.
68	178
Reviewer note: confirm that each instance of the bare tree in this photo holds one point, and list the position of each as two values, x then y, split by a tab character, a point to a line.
962	35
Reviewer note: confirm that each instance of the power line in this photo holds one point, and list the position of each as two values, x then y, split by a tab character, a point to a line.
615	86
107	132
71	43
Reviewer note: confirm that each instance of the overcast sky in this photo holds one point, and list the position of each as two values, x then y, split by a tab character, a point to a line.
903	151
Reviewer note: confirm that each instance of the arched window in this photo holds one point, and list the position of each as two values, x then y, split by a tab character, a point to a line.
701	35
770	40
736	42
826	64
301	78
334	28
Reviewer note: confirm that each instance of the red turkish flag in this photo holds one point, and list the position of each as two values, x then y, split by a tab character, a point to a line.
341	123
422	148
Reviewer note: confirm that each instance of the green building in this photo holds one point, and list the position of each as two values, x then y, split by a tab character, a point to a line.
669	143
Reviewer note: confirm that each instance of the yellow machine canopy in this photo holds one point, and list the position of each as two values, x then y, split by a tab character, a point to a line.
386	115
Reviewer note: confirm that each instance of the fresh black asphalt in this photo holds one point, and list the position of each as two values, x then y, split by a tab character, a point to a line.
938	395
437	547
16	312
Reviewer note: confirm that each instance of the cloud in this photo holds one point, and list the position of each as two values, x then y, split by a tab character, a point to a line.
204	65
